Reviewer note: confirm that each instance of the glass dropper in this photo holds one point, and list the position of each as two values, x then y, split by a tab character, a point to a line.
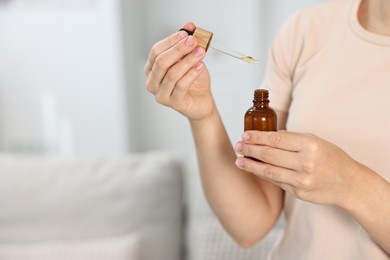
204	40
233	53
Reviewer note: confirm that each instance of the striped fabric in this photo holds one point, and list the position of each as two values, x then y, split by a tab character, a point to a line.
218	245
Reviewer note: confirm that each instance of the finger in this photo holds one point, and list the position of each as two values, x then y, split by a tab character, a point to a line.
189	26
165	44
267	171
275	156
162	46
282	139
181	89
176	76
167	59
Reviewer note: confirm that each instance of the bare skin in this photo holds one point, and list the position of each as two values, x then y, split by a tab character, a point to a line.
374	16
179	79
315	170
247	195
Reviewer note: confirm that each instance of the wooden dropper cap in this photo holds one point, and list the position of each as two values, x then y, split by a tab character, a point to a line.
203	37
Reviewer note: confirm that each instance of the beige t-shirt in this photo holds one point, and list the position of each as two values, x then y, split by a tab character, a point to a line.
333	78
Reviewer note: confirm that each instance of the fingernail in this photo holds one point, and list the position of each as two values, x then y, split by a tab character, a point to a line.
240	163
239	147
190	41
198	52
199	66
245	136
182	35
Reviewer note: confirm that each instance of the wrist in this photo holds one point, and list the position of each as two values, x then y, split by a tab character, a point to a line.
211	117
365	192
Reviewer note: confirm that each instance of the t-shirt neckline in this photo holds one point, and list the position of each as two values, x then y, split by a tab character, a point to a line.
361	31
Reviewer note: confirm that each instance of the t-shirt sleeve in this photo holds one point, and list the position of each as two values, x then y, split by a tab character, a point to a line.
282	59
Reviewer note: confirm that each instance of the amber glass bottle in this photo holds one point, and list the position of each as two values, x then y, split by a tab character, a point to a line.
260	117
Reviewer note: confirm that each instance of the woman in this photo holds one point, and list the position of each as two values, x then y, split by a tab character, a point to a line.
329	80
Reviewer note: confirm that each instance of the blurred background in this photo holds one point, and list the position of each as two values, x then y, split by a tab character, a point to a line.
72	81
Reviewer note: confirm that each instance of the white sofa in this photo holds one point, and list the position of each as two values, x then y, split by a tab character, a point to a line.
133	207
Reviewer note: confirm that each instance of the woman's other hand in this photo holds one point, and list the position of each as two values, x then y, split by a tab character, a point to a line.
304	165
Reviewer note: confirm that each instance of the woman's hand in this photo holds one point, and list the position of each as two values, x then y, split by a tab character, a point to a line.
178	77
317	171
304	165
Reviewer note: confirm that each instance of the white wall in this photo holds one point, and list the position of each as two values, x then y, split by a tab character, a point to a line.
72	78
72	59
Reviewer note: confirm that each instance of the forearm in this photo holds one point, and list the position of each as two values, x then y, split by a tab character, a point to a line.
369	204
246	206
179	79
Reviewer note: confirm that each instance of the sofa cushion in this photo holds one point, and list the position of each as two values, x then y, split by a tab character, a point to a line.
43	199
118	248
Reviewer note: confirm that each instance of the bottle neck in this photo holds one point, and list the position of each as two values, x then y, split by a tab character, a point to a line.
260	98
261	103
